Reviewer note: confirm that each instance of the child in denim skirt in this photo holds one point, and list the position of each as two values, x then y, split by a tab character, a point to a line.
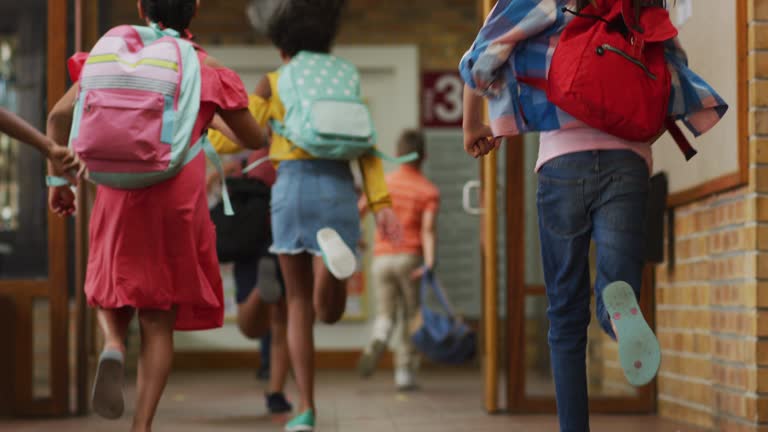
315	220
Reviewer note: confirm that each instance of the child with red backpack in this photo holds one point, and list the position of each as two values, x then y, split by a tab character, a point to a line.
137	117
601	80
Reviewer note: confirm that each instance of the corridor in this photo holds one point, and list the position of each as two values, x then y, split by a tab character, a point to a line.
233	402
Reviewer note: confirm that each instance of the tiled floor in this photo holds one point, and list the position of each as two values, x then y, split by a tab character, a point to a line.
232	402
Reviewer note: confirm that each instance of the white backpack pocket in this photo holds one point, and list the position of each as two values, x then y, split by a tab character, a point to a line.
349	119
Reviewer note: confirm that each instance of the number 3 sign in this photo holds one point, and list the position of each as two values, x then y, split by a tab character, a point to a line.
441	99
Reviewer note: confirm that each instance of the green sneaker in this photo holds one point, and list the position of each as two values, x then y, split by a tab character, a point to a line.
304	422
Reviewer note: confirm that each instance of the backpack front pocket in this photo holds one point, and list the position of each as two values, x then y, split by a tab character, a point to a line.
123	131
344	119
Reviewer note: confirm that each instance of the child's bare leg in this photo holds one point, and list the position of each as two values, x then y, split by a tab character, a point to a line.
114	326
154	364
297	272
279	359
253	316
107	394
330	294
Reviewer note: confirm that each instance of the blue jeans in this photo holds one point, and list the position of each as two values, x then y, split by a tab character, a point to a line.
600	196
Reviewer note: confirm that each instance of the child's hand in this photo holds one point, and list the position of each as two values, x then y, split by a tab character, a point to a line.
479	141
61	200
389	226
67	163
418	273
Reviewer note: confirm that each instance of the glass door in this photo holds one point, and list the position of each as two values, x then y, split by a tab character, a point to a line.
34	297
530	386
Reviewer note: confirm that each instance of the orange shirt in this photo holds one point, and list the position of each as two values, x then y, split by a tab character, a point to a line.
412	195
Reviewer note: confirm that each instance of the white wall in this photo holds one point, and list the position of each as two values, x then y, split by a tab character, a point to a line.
390	84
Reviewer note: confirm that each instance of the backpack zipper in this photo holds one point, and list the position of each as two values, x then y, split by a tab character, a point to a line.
607	47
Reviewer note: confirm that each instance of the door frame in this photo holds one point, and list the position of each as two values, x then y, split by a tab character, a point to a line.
518	290
23	292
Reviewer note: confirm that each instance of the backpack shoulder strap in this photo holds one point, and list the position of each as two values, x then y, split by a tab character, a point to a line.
680	139
429	284
205	145
410	157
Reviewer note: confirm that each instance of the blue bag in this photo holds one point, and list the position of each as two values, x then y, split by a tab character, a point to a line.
442	337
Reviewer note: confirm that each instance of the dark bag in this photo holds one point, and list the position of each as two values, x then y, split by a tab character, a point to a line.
243	235
657	209
442	337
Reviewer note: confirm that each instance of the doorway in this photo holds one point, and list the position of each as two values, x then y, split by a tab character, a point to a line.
34	277
530	386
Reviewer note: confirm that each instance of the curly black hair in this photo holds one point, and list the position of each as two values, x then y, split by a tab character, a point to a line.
175	14
305	25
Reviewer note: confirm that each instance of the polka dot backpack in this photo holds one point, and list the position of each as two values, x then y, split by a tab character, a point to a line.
325	114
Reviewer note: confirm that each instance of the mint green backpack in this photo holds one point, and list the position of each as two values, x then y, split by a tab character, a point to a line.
325	115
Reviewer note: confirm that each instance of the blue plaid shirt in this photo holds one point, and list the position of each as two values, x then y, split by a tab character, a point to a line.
519	38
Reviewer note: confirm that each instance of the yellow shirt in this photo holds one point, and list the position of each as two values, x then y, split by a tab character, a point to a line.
374	184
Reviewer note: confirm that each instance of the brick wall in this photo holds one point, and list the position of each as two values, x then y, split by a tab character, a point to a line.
443	29
712	307
703	309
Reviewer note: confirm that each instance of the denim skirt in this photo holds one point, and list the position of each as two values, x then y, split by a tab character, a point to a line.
310	195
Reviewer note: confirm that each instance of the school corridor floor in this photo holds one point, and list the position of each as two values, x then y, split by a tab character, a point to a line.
233	402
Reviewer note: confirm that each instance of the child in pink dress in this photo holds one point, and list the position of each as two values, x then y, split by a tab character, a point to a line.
153	250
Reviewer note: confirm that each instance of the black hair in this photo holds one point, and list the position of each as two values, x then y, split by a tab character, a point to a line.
412	141
174	14
305	25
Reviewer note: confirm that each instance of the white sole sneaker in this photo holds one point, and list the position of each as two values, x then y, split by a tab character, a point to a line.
338	257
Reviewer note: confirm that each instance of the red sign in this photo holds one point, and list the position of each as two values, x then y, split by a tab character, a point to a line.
441	99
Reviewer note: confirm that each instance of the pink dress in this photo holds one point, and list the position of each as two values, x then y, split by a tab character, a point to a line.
155	248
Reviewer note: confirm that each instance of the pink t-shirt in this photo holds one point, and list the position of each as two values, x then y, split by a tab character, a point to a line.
564	141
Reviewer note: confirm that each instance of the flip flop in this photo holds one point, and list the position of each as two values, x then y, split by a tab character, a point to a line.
107	396
639	352
338	257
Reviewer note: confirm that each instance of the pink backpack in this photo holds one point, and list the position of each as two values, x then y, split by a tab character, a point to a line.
137	107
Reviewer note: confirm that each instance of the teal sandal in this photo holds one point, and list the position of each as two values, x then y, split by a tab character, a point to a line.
639	352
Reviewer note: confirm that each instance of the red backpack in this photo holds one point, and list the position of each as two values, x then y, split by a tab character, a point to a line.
610	72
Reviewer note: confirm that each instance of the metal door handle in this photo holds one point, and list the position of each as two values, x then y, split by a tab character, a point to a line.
467	198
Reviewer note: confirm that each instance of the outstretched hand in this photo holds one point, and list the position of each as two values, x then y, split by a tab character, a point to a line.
66	162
